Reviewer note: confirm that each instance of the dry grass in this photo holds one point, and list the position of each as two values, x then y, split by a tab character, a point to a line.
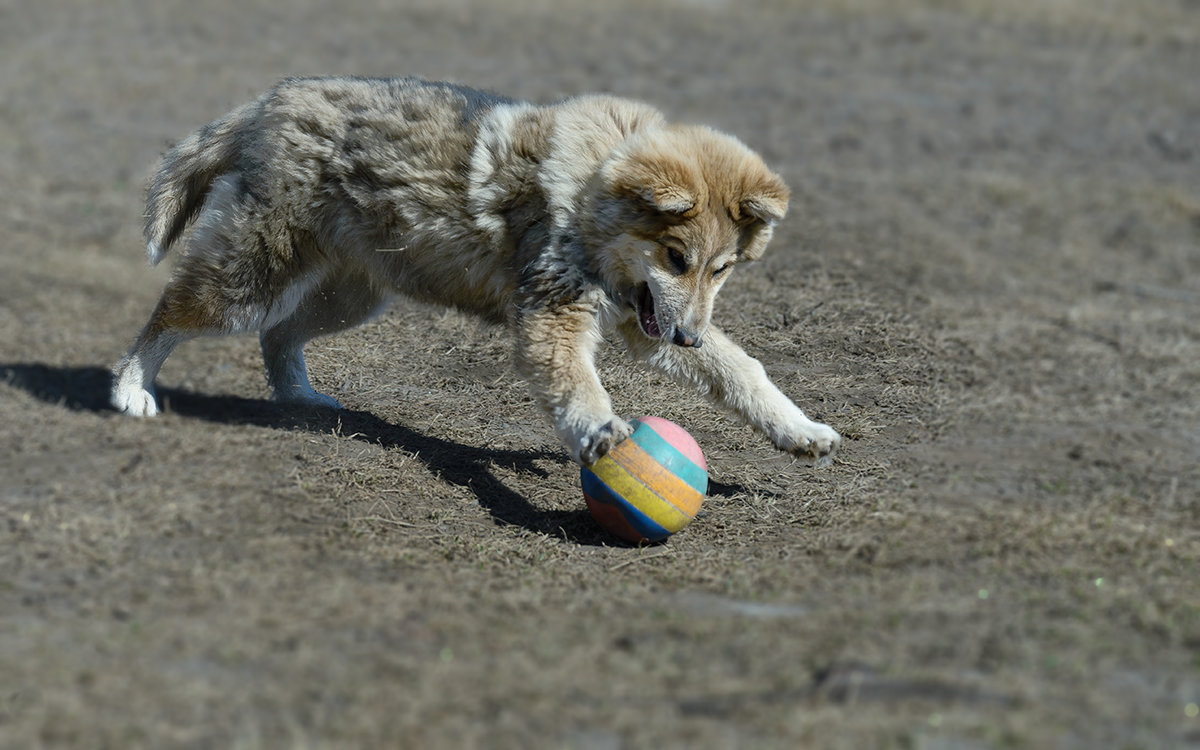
988	282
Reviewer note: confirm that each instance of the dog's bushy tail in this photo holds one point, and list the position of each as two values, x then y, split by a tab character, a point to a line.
187	172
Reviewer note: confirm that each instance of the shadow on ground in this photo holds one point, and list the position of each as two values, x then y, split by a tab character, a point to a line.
87	389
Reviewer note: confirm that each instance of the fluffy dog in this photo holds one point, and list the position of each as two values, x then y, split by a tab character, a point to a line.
316	203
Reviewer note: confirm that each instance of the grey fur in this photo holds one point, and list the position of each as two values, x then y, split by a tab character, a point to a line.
316	203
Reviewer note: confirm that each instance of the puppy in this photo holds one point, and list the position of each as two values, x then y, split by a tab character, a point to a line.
315	204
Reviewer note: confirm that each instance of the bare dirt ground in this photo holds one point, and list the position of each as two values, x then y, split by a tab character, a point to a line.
989	281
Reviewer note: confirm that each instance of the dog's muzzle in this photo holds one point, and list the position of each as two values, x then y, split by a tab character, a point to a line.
648	319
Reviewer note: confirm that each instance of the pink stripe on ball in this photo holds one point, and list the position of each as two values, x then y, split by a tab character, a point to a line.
678	437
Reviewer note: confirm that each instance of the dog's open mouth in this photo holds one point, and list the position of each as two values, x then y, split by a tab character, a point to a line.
645	308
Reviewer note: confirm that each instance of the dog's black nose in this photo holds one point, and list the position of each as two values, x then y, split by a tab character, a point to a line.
684	337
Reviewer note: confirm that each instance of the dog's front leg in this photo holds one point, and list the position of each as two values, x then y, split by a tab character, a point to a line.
737	381
556	354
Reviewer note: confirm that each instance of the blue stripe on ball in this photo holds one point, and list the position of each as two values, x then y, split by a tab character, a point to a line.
595	488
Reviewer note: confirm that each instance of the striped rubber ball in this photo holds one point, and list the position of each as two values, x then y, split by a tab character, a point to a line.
650	486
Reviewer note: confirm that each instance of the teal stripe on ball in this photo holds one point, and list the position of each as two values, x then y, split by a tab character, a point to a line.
670	457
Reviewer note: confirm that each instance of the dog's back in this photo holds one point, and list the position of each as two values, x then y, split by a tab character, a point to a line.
443	191
381	143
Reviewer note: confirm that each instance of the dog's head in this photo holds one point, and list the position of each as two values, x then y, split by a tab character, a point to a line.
674	209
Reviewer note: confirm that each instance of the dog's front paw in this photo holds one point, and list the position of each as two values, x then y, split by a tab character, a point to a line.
598	438
810	439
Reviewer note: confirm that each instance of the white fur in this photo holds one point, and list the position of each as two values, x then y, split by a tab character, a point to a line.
133	377
737	381
493	146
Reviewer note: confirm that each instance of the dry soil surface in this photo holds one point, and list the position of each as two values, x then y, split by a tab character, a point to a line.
989	281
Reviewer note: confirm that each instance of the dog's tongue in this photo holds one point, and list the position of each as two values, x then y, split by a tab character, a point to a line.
646	313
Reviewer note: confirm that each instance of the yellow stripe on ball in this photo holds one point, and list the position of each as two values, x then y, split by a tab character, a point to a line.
628	470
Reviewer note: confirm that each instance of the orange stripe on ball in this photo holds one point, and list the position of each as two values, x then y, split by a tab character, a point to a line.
642	467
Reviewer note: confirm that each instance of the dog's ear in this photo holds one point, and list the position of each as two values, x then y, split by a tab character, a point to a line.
761	206
657	187
762	203
765	200
669	199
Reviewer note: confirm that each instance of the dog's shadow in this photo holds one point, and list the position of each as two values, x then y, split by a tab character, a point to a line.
470	467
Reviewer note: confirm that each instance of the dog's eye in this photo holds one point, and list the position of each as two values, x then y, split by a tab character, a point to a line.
678	259
722	270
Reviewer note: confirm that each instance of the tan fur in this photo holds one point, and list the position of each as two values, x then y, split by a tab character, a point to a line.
319	201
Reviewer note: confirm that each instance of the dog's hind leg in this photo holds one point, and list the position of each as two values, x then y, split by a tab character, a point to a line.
179	316
213	294
133	377
340	302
